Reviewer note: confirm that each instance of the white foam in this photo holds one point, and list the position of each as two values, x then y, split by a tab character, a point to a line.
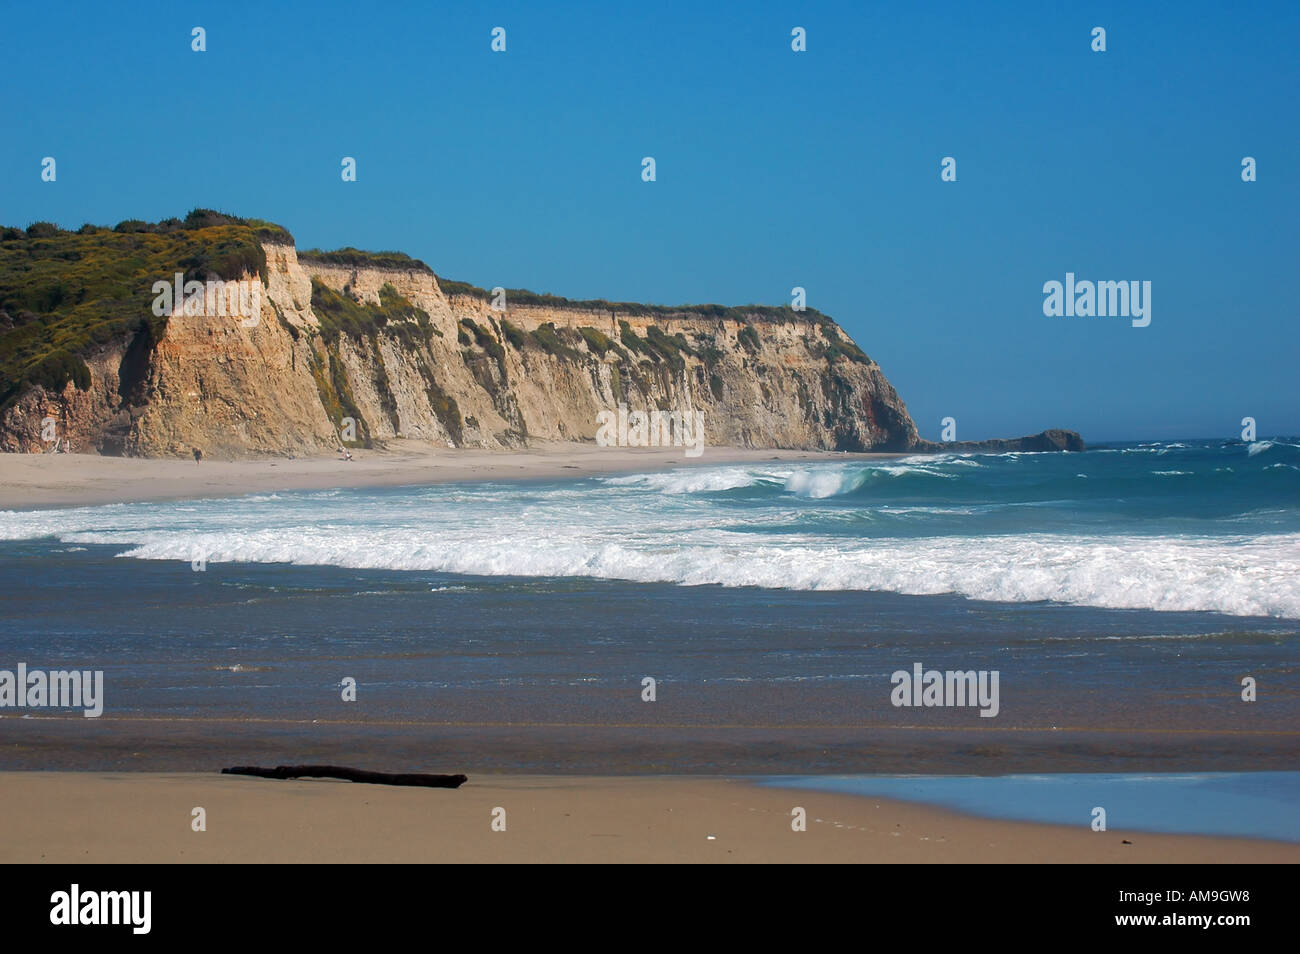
657	528
693	481
817	484
1251	576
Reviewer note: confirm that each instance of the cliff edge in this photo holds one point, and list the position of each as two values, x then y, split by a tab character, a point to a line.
357	348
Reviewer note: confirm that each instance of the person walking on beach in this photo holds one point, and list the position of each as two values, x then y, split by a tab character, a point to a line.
198	455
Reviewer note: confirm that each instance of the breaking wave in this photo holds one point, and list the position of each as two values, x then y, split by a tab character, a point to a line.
1224	536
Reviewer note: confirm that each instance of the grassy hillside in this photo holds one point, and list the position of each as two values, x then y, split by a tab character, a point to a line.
65	293
356	258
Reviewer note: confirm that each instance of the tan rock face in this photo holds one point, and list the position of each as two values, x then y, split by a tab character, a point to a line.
233	388
91	420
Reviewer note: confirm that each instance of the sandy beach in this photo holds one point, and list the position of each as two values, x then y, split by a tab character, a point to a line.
33	481
134	818
195	683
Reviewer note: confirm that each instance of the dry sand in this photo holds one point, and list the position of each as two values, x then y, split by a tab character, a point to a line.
35	481
130	817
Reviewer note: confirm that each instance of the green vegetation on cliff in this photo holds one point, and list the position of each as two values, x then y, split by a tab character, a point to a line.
394	315
522	297
356	258
552	340
443	404
657	345
336	395
598	341
748	338
838	347
487	341
65	293
341	316
516	336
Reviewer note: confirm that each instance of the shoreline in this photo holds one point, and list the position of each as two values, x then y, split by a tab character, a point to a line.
143	818
51	481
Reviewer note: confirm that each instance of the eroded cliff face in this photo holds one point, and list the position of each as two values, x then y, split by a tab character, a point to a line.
449	368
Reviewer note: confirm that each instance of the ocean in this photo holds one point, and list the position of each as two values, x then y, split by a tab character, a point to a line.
1122	595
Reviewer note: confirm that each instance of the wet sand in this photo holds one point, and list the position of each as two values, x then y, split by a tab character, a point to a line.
137	817
184	744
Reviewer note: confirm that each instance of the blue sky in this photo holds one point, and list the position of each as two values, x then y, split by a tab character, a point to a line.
775	169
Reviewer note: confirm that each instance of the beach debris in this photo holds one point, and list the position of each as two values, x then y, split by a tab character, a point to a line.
348	774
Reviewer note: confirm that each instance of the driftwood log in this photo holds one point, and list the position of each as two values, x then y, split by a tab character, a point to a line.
349	774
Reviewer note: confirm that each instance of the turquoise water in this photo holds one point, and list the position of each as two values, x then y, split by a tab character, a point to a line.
1242	804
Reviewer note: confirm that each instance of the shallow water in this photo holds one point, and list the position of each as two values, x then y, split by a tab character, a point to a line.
1241	804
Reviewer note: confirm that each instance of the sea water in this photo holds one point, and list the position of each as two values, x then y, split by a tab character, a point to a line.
1123	594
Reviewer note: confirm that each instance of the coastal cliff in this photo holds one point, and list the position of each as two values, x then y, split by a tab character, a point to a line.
366	349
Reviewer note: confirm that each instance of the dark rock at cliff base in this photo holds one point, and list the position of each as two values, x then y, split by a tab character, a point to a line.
1053	440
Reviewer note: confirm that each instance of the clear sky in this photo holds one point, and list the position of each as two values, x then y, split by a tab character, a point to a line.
775	169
